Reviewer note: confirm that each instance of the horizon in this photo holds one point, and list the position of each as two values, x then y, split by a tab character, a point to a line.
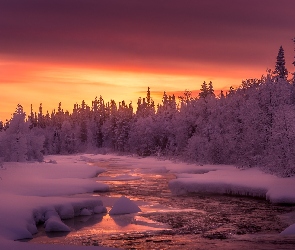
65	51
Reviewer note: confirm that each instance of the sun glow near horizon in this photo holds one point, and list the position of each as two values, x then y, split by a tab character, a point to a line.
29	83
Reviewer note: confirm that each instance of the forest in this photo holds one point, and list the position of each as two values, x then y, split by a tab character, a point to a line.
252	125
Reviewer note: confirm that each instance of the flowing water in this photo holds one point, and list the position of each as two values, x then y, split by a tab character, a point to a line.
192	221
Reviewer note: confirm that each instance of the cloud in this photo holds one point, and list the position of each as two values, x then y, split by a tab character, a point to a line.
146	34
167	45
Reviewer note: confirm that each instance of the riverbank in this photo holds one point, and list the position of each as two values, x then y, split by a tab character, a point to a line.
33	193
28	190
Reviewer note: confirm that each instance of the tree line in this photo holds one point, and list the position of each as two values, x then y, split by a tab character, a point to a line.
249	126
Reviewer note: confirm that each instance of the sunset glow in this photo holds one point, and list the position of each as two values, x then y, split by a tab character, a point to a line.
117	49
32	83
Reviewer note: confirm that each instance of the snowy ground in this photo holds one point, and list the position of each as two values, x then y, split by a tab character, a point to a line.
33	192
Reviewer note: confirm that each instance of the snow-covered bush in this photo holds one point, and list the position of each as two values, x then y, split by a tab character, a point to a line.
19	142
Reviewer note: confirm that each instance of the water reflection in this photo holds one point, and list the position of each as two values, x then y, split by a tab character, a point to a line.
81	222
120	223
101	224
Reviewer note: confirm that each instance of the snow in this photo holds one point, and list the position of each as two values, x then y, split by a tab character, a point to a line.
99	210
40	192
46	192
221	179
124	206
86	212
54	224
231	180
218	179
289	230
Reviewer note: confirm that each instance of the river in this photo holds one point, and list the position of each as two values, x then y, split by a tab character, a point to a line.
167	221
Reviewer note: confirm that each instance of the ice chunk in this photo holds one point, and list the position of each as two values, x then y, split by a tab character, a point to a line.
124	206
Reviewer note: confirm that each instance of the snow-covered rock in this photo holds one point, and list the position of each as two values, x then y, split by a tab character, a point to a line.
66	212
85	212
124	206
55	224
99	210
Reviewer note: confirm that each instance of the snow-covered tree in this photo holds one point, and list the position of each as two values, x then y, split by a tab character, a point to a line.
211	89
145	106
280	67
15	141
204	91
19	143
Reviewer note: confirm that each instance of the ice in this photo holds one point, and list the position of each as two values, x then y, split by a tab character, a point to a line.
124	206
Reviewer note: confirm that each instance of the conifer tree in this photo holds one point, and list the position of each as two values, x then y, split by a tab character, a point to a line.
293	78
145	106
204	91
280	68
210	89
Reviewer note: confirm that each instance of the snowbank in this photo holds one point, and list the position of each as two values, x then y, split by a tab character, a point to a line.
249	182
31	193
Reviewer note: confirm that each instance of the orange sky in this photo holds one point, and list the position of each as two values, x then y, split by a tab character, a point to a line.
68	51
34	83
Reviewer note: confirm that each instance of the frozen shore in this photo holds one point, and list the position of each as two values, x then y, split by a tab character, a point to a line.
42	192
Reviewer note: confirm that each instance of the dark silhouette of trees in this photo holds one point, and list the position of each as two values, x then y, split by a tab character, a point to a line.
280	67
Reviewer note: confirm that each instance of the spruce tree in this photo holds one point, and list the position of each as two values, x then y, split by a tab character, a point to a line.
211	89
280	68
204	91
293	78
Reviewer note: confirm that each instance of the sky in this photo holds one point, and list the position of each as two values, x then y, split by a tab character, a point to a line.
67	51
